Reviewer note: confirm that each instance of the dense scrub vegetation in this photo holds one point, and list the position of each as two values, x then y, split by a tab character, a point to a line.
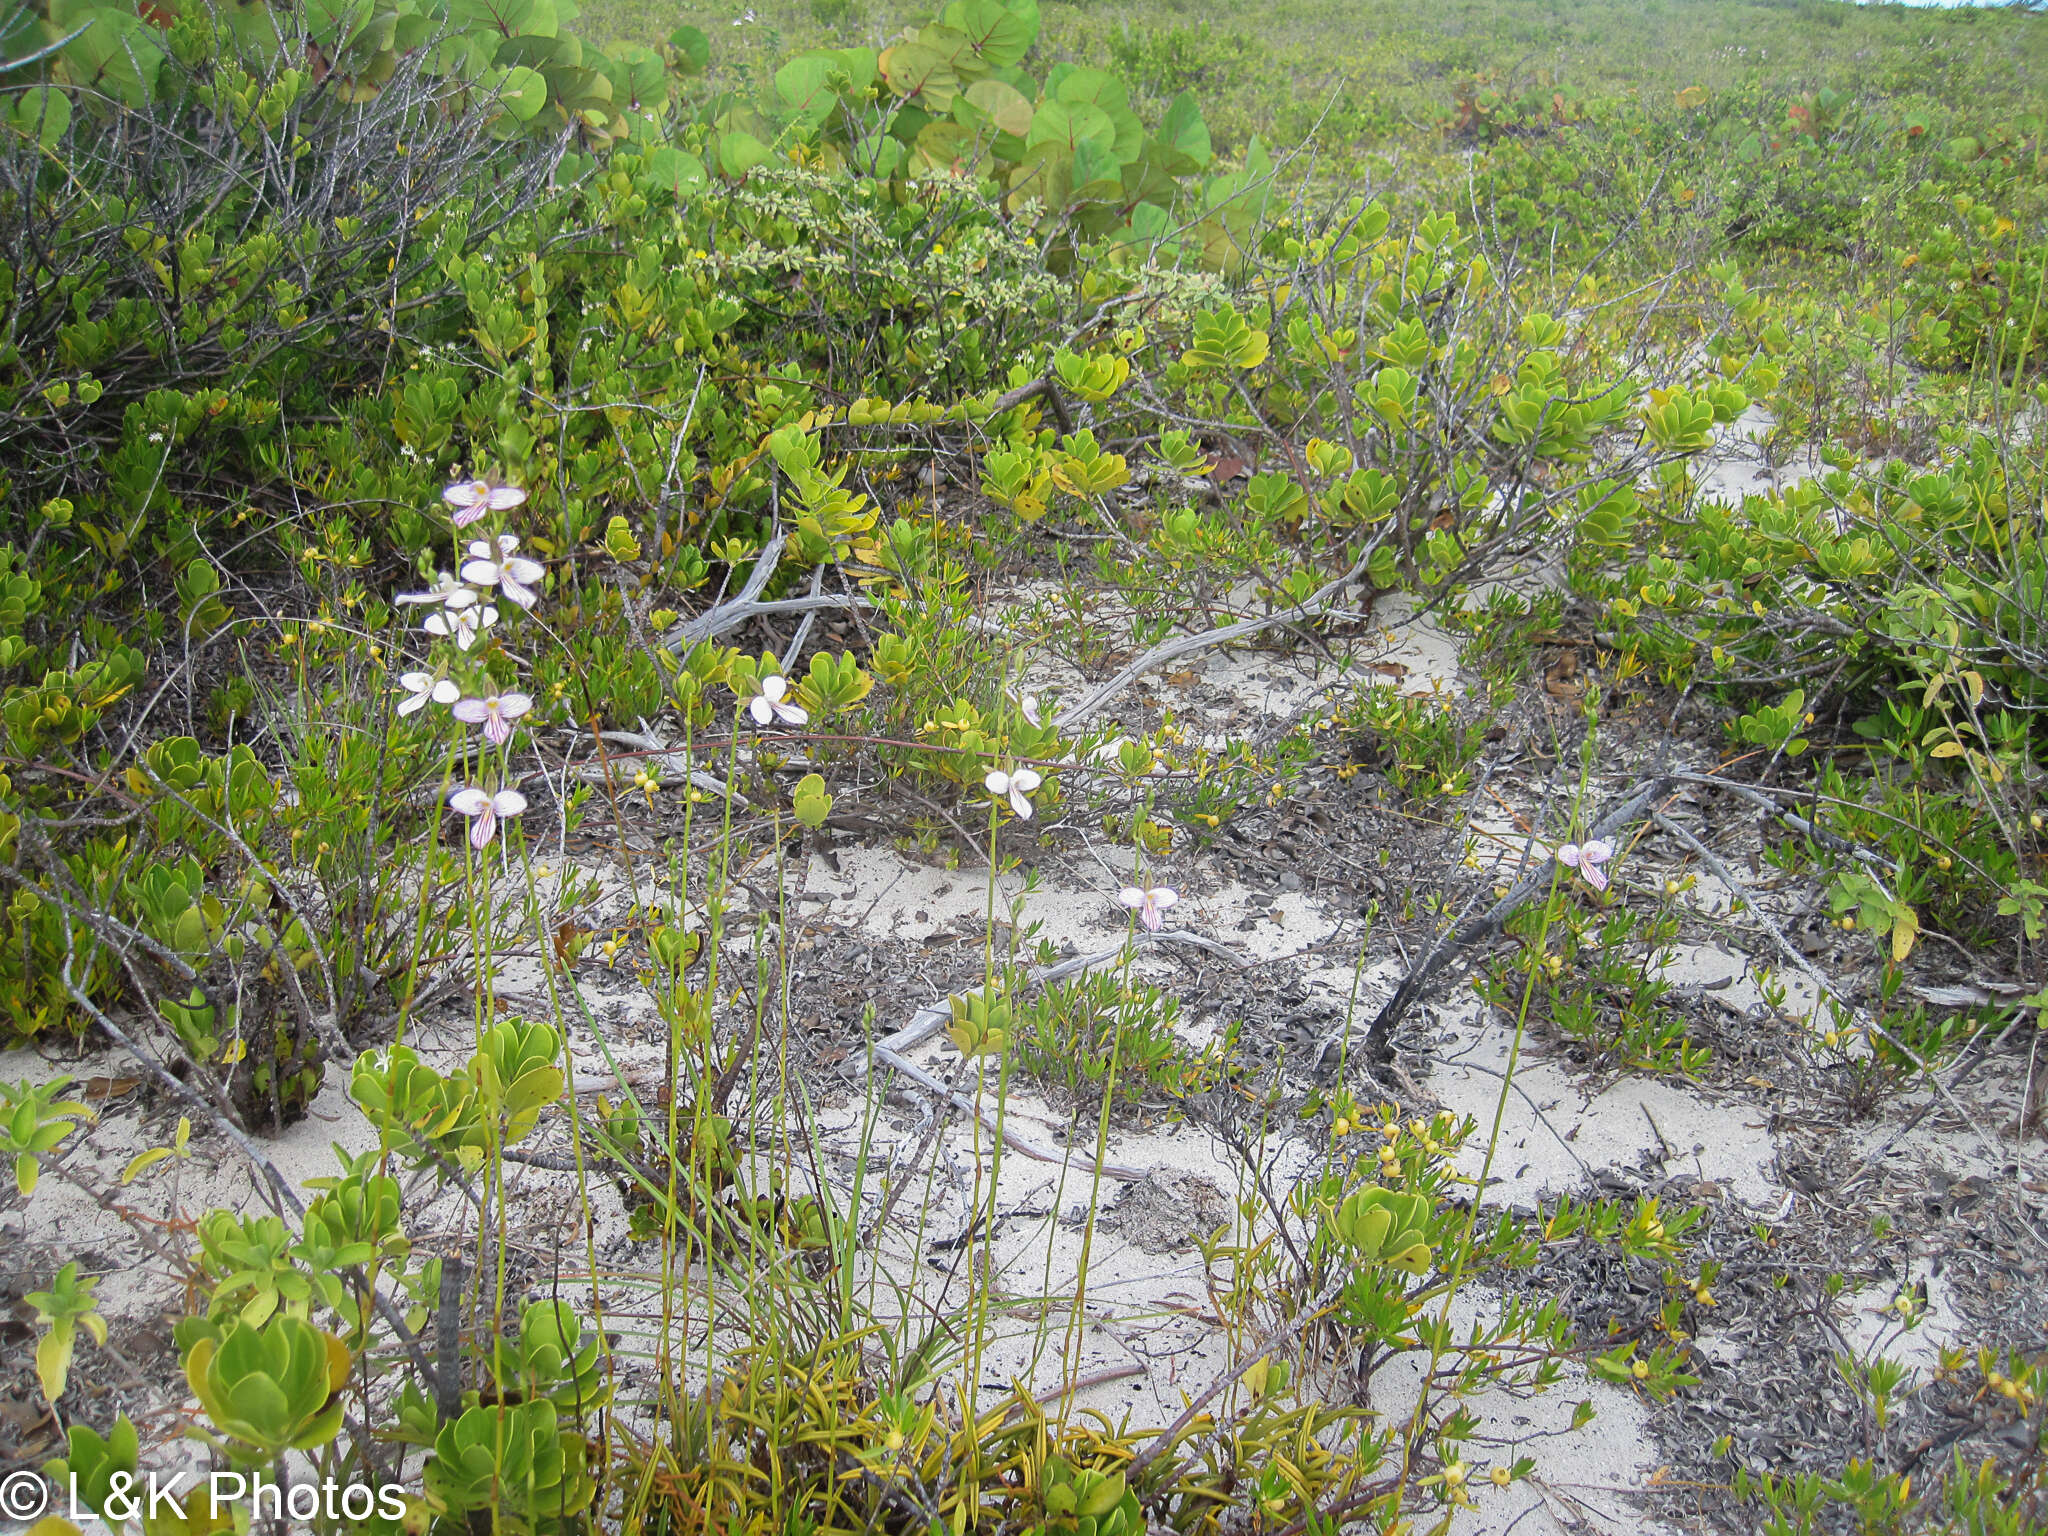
627	367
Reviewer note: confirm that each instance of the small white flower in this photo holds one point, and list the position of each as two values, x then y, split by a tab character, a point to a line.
463	625
471	499
1148	903
494	713
499	567
1017	785
485	811
767	705
419	687
1587	859
447	593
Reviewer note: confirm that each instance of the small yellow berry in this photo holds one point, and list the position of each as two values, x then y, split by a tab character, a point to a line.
1342	1127
1501	1477
1640	1370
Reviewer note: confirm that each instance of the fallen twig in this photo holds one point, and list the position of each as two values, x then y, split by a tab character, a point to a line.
666	759
734	611
1036	388
1315	606
1489	922
928	1021
1827	993
1798	823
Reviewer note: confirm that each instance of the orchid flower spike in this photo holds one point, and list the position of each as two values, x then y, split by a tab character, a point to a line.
1148	903
1017	785
485	810
463	625
767	705
1587	858
494	713
447	593
419	687
495	565
471	499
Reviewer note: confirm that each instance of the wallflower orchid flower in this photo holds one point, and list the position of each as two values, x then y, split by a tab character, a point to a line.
1587	858
495	565
767	705
1148	903
462	625
1015	785
471	499
485	810
494	713
419	687
446	593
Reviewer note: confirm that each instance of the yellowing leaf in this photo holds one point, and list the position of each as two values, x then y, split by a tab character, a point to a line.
143	1161
53	1362
1905	929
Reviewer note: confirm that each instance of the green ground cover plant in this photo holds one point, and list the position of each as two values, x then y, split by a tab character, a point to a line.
480	508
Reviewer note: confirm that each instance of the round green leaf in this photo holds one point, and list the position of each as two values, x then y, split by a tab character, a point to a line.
638	76
689	51
1097	87
1071	125
803	85
997	34
1000	104
943	146
522	92
1185	135
42	112
920	74
739	152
